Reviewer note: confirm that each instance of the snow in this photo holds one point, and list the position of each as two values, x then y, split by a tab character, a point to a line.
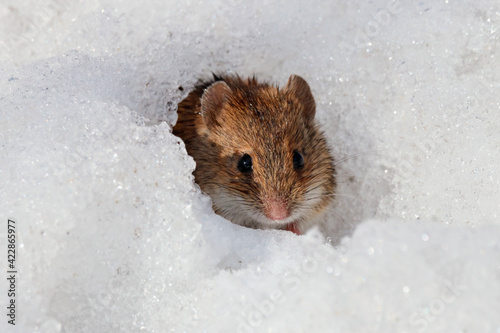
114	236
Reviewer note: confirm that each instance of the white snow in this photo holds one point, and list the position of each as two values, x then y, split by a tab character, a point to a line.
114	236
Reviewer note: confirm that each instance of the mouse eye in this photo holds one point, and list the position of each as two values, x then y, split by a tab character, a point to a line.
298	160
245	163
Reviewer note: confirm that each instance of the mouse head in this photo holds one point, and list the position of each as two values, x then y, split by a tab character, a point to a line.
276	166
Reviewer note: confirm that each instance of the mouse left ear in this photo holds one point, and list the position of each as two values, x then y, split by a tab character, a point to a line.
212	102
298	87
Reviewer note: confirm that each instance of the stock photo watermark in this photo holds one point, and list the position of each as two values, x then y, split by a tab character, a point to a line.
11	271
80	153
428	314
233	2
263	309
41	17
364	36
422	150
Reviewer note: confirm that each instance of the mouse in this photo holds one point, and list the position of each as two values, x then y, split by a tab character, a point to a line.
259	152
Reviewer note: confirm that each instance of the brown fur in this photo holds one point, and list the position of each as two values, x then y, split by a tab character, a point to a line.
222	120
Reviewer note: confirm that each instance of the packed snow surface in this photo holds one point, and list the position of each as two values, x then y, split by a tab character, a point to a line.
113	235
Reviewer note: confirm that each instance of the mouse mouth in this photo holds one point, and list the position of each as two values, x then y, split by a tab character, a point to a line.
293	227
277	222
274	213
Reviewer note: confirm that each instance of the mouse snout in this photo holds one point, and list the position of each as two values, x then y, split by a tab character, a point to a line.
276	209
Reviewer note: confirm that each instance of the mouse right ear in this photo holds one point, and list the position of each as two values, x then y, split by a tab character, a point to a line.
298	87
212	102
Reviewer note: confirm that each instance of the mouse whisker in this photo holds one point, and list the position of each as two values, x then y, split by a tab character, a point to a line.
349	157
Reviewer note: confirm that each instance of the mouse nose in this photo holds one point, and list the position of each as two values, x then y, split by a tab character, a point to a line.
276	209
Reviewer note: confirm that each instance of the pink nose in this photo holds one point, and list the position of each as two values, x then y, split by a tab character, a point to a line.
276	209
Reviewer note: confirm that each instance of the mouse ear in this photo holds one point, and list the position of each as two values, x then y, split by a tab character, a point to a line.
298	87
212	101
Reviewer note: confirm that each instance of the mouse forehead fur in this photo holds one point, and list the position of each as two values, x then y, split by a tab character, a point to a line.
243	114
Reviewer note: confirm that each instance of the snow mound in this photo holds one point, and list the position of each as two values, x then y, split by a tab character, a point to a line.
114	236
